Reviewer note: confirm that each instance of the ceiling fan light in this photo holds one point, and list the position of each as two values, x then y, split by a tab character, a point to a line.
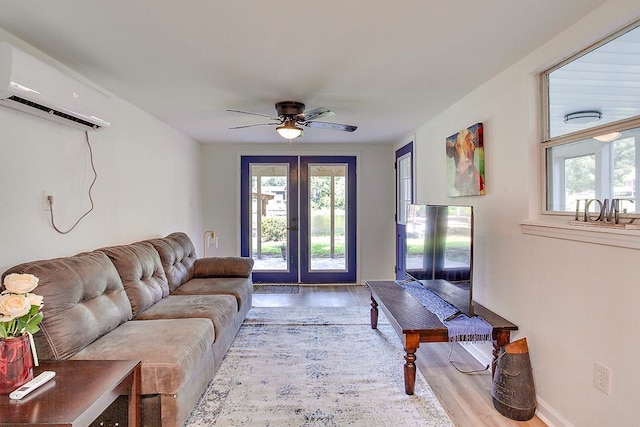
608	137
583	117
289	130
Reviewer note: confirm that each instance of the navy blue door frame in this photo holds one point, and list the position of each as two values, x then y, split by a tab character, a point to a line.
402	198
298	263
290	274
348	275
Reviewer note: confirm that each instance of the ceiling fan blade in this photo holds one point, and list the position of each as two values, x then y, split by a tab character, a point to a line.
317	113
257	124
334	126
254	114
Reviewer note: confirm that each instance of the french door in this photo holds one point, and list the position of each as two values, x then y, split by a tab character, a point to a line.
404	197
298	218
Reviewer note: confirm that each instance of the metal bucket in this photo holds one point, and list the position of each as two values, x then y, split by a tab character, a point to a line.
513	392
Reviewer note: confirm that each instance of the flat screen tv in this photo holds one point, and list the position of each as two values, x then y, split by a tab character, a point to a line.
439	252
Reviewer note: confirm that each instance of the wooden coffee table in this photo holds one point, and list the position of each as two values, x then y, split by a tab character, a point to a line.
77	395
415	324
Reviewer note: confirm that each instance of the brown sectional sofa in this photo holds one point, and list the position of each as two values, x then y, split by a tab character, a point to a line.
152	301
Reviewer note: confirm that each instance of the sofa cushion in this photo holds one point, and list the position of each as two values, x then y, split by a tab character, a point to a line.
220	309
169	349
142	274
241	288
83	299
178	255
223	267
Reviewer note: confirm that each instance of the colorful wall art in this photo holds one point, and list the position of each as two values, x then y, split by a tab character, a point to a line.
465	162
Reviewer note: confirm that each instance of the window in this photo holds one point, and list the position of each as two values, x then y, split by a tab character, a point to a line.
592	125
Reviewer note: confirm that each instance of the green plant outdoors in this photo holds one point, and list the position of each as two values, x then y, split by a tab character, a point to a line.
274	228
274	234
416	246
320	247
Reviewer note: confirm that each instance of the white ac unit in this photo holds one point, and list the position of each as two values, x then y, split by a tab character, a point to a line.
35	87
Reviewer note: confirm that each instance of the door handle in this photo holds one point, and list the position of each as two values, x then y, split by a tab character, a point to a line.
294	228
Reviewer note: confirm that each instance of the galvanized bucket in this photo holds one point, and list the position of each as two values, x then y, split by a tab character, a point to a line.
513	392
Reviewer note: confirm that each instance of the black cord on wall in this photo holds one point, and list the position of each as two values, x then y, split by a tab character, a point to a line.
95	177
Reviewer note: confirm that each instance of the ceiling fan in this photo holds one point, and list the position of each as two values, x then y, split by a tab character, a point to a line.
291	114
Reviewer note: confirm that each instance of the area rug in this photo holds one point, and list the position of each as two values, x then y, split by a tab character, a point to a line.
275	289
285	370
293	316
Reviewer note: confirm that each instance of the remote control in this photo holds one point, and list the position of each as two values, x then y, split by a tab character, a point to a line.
32	385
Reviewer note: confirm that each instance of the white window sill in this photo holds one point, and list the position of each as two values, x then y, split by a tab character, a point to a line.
588	234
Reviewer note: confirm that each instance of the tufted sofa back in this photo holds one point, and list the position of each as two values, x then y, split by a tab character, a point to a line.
84	299
178	256
141	272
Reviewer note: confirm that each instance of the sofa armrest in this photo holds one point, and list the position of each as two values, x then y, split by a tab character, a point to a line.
223	267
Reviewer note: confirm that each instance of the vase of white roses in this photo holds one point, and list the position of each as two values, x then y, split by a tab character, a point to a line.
20	315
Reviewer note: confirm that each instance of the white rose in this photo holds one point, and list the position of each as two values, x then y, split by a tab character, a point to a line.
20	283
35	299
14	306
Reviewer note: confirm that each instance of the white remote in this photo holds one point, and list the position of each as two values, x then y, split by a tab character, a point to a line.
32	385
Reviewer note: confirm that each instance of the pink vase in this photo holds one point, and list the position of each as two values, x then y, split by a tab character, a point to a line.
16	363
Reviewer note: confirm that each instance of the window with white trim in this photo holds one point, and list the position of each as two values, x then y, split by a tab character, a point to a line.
591	125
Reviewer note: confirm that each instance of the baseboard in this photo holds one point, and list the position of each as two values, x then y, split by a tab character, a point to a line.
550	416
483	353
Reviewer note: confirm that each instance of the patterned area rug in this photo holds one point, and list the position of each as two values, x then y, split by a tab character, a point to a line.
315	367
275	289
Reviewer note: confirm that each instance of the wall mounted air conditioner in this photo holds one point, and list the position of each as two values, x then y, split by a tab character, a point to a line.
35	87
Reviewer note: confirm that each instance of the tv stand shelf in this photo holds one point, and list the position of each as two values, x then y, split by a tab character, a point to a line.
415	324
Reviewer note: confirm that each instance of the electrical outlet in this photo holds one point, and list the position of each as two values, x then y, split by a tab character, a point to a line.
45	199
602	378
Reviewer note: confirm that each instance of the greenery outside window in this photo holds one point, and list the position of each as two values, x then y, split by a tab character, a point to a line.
591	125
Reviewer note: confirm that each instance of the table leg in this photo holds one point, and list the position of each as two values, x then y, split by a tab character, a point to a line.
501	338
412	341
374	314
134	399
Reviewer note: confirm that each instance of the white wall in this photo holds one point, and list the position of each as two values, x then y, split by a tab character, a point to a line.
148	181
576	303
376	192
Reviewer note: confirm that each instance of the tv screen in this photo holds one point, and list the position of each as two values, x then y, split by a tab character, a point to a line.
439	251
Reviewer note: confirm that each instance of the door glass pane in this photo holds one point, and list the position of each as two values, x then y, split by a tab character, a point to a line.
327	213
269	213
404	187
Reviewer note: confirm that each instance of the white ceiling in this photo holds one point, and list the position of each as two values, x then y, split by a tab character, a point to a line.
387	67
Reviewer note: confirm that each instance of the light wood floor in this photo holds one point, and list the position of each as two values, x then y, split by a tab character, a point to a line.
466	398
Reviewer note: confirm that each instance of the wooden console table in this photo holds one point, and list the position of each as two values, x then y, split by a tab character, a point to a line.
77	395
415	324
